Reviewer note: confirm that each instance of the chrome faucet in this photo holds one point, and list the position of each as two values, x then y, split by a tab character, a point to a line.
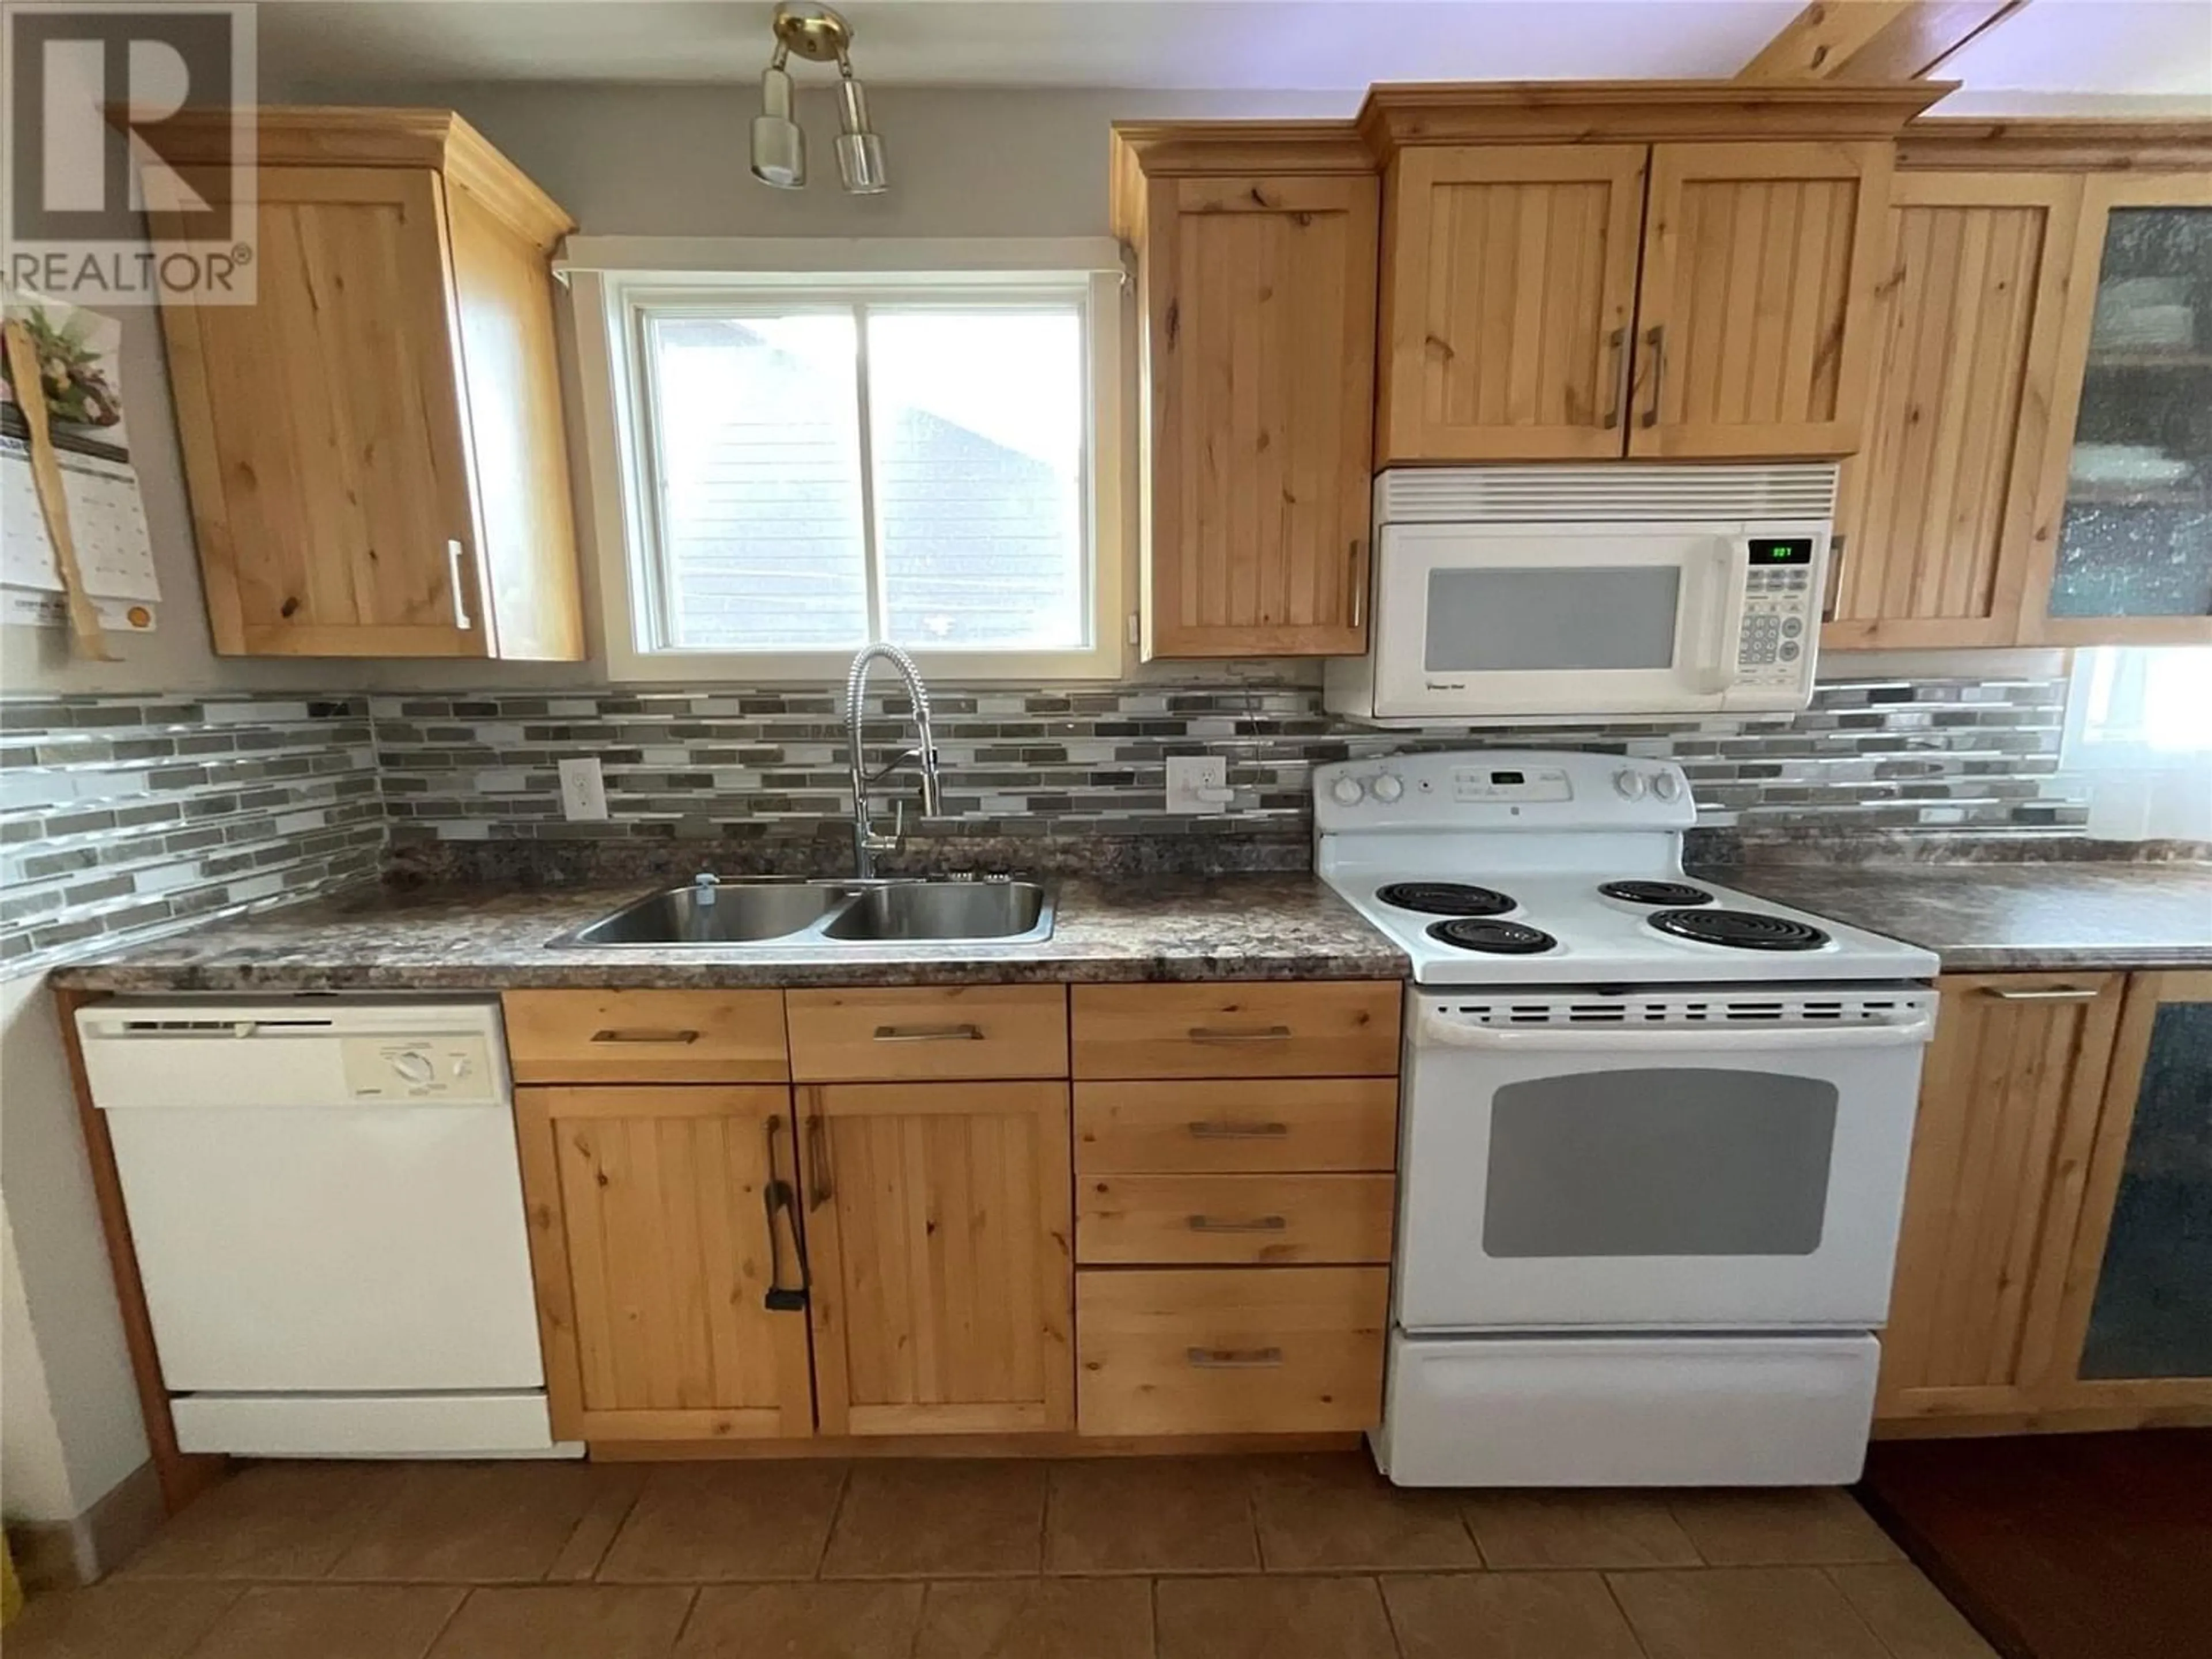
866	843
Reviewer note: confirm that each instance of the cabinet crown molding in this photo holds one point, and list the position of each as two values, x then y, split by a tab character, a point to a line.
1575	111
2070	143
335	136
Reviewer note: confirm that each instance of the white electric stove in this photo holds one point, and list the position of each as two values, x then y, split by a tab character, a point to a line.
1653	1140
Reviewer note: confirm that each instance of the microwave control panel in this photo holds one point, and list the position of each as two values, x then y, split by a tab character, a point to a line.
1778	617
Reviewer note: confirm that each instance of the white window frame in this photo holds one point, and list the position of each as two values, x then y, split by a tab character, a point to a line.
613	282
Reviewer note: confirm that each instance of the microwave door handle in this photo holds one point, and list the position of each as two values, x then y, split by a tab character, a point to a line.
1718	671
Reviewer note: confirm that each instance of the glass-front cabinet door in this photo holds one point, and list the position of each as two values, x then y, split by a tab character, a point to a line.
2130	561
2136	1311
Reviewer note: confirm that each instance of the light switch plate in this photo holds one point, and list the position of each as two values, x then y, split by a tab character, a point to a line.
1198	783
583	788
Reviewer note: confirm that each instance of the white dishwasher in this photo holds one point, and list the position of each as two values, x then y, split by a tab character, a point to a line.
325	1203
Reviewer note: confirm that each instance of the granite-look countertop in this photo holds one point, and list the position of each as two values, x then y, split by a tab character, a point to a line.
1987	918
1275	927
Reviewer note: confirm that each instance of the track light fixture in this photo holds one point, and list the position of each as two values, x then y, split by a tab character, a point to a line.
820	35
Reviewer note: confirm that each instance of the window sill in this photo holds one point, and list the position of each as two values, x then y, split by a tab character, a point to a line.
829	667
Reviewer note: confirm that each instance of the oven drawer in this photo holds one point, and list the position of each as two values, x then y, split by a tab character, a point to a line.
1271	1219
1236	1126
1247	1351
1330	1029
1599	1411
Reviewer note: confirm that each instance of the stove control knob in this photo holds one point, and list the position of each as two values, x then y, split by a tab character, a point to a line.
1666	786
1629	783
1386	788
1347	792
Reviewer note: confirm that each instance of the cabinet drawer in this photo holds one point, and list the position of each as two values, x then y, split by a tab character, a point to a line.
1274	1219
1236	1126
645	1036
1337	1029
1231	1351
899	1034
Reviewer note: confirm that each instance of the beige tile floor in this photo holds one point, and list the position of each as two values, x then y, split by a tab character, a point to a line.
1279	1557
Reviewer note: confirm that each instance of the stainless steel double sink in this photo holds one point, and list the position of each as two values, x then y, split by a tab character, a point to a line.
794	912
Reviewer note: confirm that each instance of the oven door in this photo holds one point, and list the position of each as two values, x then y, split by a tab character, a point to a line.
1556	619
1703	1160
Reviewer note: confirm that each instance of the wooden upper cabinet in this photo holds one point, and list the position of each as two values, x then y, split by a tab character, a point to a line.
1942	507
655	1248
2126	559
1508	288
2009	1102
1755	315
939	1231
1258	296
374	445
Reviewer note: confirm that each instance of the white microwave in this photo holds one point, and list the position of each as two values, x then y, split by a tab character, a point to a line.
1513	594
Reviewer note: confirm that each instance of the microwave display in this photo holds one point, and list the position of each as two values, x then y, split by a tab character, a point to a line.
1785	549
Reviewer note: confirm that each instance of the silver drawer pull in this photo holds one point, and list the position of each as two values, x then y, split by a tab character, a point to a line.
1233	1359
1235	1034
2056	994
634	1034
929	1034
1230	1130
1258	1224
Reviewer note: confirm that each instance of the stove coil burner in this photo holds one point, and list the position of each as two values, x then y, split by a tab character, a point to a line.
1745	930
1656	892
1445	898
1502	938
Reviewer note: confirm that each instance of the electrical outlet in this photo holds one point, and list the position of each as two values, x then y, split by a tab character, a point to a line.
583	788
1198	783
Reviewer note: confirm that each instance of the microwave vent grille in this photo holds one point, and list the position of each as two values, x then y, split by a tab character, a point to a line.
1614	494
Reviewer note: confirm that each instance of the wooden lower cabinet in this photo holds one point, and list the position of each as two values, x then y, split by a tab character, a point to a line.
939	1236
650	1243
1241	1351
2042	1276
853	1255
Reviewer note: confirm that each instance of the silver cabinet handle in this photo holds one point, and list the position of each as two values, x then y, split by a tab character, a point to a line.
1233	1359
1359	578
1656	339
2056	994
1236	1034
632	1034
1263	1224
455	553
1622	359
1230	1130
929	1034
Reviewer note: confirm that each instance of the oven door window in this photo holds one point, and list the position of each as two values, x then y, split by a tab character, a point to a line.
1661	1161
1580	618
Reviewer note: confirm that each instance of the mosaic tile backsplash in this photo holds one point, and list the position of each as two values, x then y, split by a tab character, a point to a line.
125	816
1935	754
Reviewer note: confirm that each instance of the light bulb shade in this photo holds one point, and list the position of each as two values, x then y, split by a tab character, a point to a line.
779	150
859	151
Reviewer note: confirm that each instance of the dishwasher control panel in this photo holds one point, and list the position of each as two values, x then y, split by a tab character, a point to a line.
302	1053
449	1067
